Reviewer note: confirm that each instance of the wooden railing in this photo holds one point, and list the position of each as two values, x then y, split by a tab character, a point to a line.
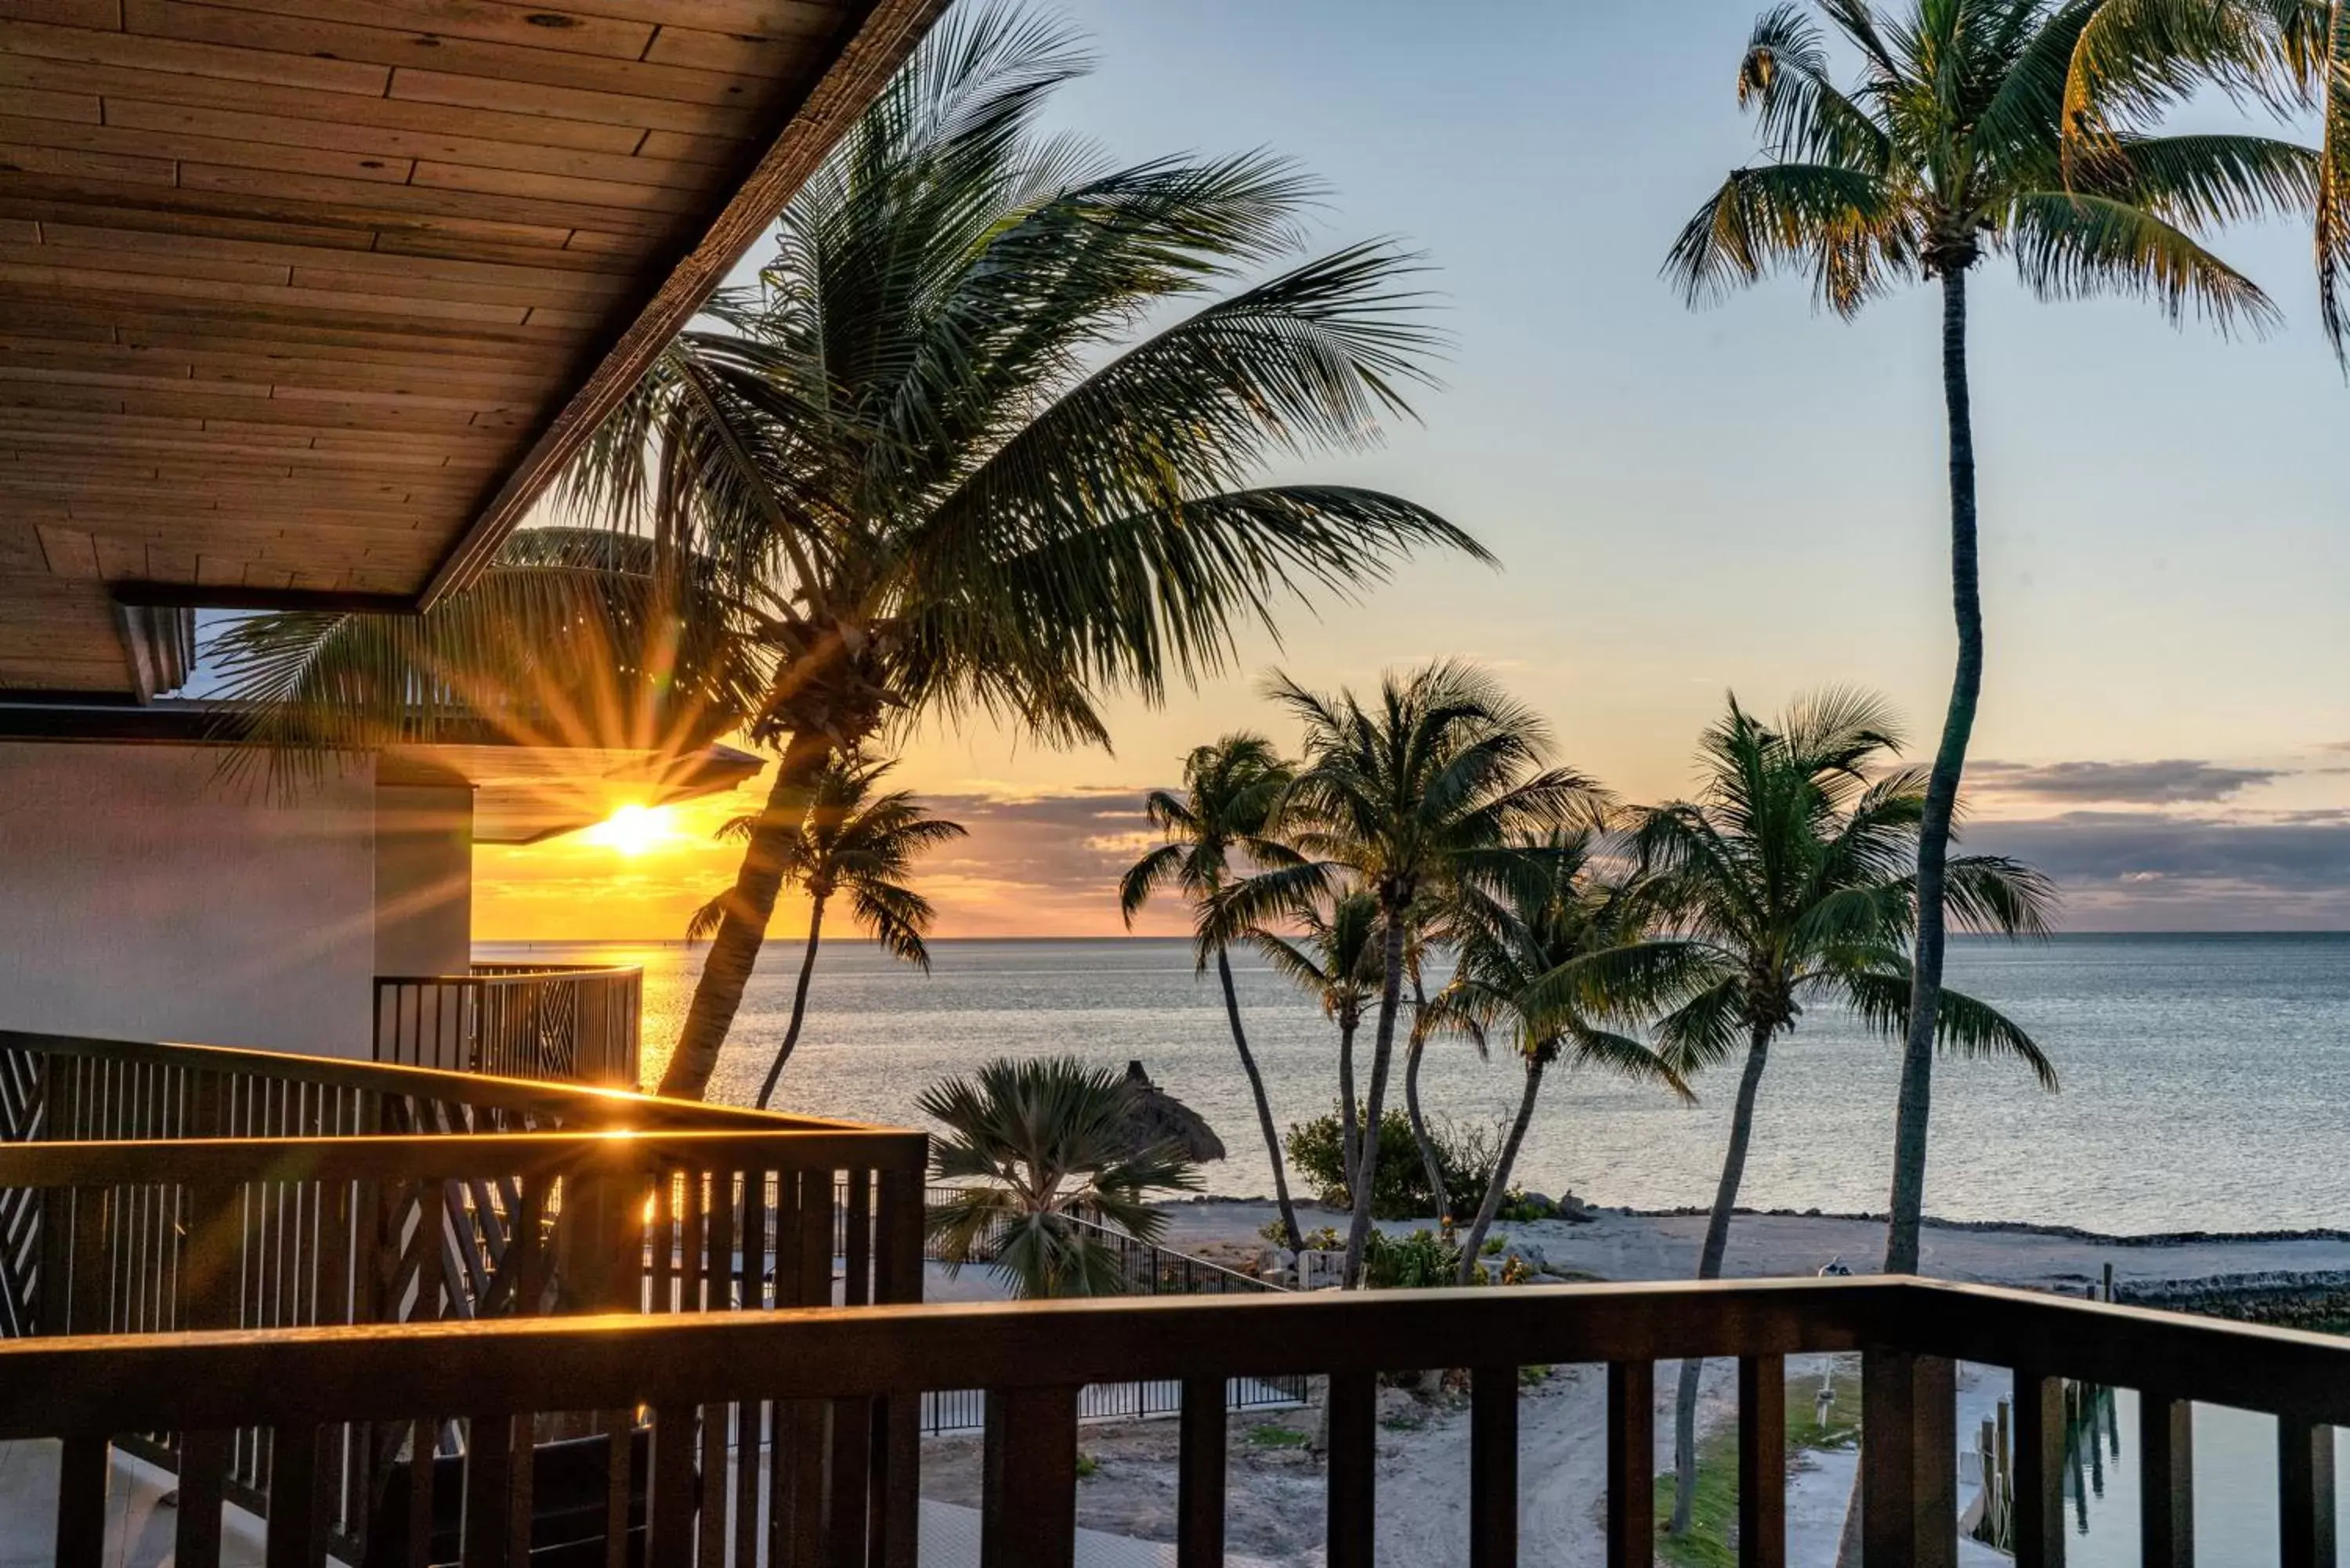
758	1419
524	1021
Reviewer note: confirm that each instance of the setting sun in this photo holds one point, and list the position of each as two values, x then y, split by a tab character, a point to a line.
633	829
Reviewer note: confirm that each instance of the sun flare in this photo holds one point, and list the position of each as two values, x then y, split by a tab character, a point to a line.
633	829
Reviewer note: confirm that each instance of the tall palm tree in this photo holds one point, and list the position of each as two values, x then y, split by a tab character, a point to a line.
1510	944
1230	789
1964	137
986	435
854	841
1041	1150
1421	791
1791	881
1336	959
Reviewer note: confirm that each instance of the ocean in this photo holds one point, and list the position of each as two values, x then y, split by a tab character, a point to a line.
2206	1078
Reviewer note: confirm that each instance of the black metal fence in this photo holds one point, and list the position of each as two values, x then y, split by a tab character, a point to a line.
1149	1270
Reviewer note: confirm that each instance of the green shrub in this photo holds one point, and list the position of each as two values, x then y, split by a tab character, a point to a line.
1465	1155
1421	1260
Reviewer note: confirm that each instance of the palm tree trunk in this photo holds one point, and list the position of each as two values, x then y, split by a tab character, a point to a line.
1350	1129
1494	1189
1264	1107
1359	1227
1709	1267
1430	1167
734	951
1915	1104
799	1003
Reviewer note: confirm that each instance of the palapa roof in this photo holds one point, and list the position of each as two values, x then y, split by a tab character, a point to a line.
303	302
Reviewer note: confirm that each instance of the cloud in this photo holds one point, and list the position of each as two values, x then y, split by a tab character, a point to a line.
2168	781
1042	864
2148	872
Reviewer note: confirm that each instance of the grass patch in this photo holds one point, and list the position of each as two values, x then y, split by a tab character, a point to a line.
1278	1437
1087	1466
1713	1513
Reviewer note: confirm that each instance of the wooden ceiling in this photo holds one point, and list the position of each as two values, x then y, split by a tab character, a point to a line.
302	301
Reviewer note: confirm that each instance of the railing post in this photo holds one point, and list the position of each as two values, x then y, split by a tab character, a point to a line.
1632	1464
2166	1446
1199	1476
1908	1461
1763	1462
2039	1470
2304	1492
1494	1466
1028	1507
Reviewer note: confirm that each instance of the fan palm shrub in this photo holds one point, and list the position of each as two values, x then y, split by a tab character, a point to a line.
1510	943
1229	790
2015	128
1791	881
1041	1151
856	842
1420	790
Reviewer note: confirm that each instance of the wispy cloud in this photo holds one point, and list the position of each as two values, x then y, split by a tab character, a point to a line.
2166	782
2153	871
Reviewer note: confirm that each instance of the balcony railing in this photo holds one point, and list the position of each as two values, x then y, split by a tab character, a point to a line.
760	1449
255	1190
524	1021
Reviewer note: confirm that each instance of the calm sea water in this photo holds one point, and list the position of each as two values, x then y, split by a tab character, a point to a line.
2206	1078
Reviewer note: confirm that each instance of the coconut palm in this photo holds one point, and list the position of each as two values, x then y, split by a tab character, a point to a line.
1791	881
987	433
856	842
1042	1151
1421	791
1510	943
1230	789
1336	959
1970	134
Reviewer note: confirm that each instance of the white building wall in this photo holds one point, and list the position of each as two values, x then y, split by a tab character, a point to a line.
142	896
423	878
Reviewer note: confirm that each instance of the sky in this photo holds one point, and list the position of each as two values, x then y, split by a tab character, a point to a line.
1747	498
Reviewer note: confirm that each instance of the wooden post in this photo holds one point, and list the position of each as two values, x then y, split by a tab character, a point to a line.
1200	1479
1763	1462
2039	1470
1631	1464
1908	1461
2304	1493
2166	1446
1028	1506
1354	1455
1494	1466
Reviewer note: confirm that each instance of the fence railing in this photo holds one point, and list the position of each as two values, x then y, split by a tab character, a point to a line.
580	1025
255	1190
749	1409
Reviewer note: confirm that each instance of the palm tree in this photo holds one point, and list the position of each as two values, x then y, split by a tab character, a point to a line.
1419	793
1046	1147
851	841
1338	960
959	449
1970	133
1790	882
1230	789
1510	944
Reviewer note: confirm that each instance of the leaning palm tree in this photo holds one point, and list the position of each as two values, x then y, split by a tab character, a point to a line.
1230	789
1041	1152
1420	792
1336	959
1968	134
1791	881
987	434
1510	943
856	842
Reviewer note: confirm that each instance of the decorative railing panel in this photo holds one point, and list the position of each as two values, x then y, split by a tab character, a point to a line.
522	1020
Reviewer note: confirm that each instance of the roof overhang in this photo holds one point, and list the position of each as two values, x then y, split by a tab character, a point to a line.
522	793
302	303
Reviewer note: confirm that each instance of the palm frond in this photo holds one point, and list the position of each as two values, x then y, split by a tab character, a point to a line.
2074	245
